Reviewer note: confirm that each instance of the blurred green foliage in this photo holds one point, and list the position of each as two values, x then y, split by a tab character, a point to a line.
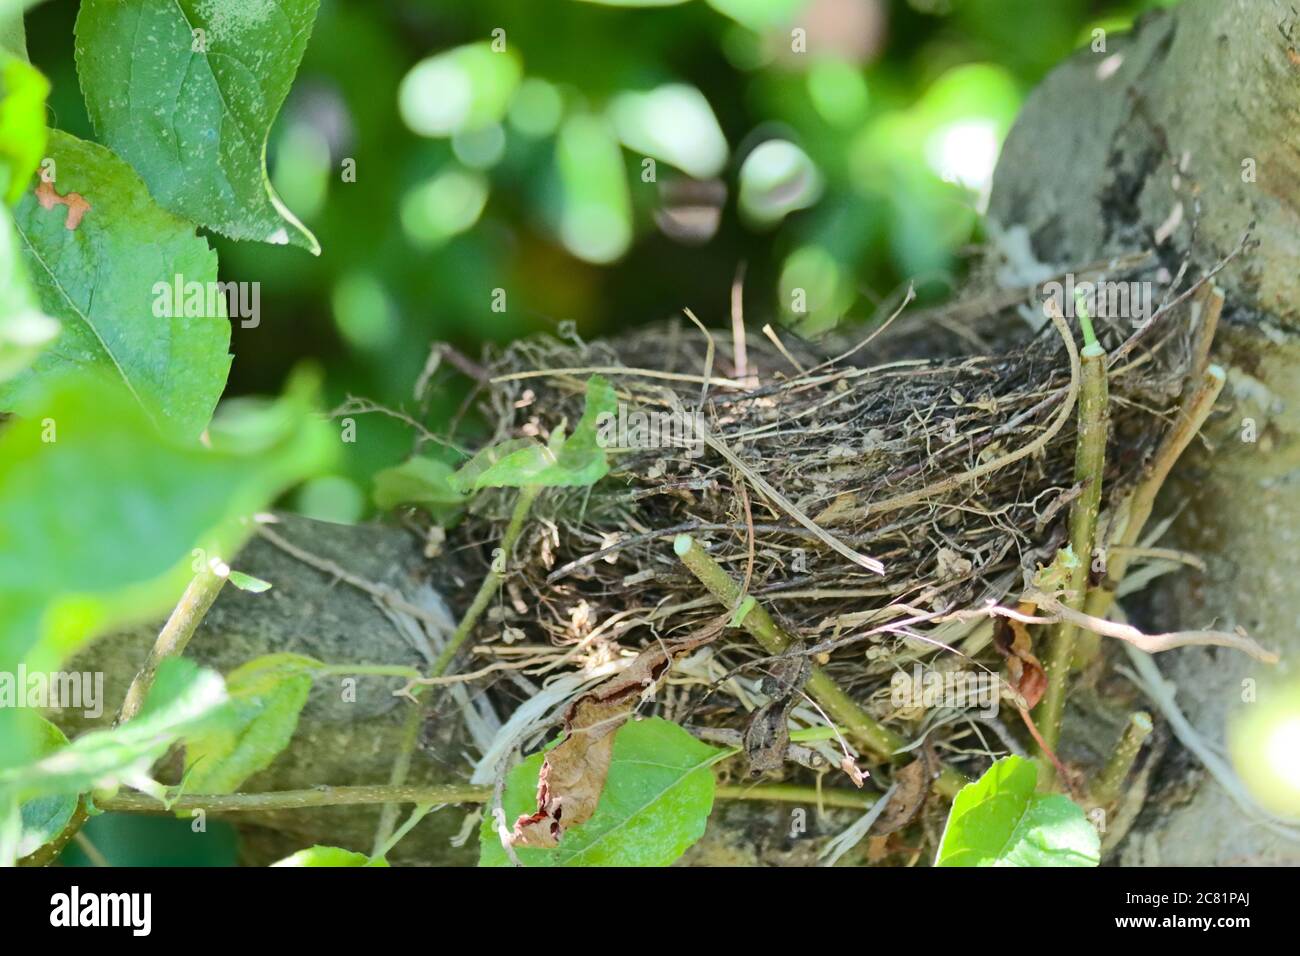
124	839
478	171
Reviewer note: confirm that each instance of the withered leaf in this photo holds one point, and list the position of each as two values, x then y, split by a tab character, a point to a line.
573	774
767	736
877	848
1025	672
911	787
787	674
854	772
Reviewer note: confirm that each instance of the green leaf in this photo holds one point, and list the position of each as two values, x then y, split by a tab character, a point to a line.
444	205
816	290
191	110
674	123
760	14
656	803
325	856
638	3
1000	821
596	207
838	91
43	818
184	699
1057	575
22	124
105	280
459	90
776	179
507	464
331	498
576	461
13	36
267	695
99	514
24	328
419	481
248	583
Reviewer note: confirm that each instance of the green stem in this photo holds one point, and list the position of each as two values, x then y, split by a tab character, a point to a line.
129	801
1089	464
1195	411
1085	323
491	583
1108	783
172	641
47	854
174	637
790	793
397	776
133	802
487	591
420	811
841	708
368	670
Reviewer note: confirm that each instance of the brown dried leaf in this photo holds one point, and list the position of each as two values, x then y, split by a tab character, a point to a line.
912	786
767	737
877	848
573	773
855	773
1025	672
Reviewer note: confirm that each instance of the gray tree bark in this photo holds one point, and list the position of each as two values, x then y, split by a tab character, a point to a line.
341	739
1181	138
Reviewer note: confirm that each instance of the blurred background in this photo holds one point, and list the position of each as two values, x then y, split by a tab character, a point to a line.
477	171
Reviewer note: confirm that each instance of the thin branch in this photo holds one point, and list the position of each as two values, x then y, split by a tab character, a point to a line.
133	802
860	725
1154	643
1196	409
491	583
389	595
1107	786
1089	465
171	642
175	634
397	777
621	370
1133	340
415	719
789	793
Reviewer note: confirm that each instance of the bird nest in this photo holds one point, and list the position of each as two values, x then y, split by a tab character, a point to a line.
876	510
